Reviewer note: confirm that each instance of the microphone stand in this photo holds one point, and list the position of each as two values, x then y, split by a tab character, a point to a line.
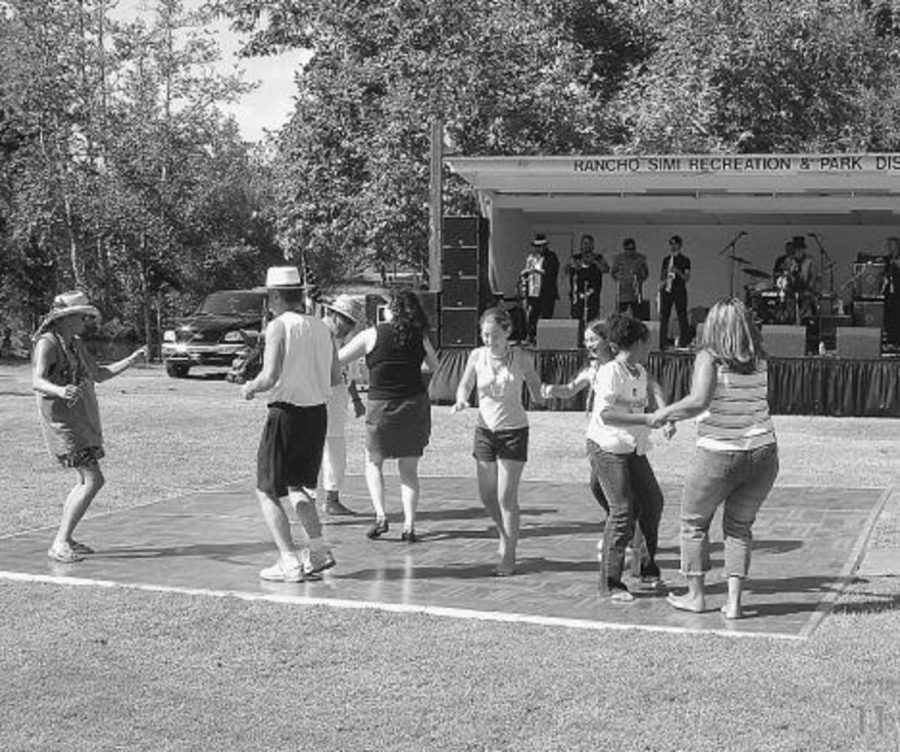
730	249
823	256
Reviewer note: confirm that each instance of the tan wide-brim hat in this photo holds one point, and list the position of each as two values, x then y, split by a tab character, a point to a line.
349	307
68	304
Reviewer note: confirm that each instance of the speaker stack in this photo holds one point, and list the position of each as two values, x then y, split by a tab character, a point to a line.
465	290
866	309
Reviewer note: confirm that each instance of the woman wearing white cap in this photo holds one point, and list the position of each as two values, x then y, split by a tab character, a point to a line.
344	314
64	374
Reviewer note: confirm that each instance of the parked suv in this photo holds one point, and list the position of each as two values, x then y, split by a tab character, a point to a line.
224	326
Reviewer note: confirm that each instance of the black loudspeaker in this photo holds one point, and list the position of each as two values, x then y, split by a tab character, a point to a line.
460	292
867	280
459	327
462	231
429	302
868	313
464	256
460	262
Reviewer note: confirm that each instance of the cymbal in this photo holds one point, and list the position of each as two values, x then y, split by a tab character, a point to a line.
755	273
739	259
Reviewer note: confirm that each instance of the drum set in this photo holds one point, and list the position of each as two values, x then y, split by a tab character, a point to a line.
771	302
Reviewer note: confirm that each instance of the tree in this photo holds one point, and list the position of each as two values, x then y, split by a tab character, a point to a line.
762	76
505	77
125	180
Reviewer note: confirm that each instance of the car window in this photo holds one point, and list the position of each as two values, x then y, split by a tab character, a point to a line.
232	303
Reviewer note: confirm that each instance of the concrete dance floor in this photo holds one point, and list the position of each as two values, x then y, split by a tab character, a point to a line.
808	541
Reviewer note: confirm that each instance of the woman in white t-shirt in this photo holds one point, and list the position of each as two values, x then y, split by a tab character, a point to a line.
736	458
499	371
618	439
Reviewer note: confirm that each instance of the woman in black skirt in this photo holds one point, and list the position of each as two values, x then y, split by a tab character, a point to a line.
398	412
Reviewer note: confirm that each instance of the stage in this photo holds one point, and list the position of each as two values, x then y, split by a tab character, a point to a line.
811	385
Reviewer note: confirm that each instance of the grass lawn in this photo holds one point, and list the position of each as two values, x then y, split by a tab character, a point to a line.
89	668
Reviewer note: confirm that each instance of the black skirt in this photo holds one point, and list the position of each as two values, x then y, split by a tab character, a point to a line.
399	427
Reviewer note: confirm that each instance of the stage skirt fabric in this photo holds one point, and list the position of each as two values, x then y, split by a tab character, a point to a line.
840	387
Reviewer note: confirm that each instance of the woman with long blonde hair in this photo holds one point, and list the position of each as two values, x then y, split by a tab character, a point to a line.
735	462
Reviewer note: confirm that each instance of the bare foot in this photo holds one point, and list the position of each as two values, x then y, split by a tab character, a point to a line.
505	569
731	611
687	602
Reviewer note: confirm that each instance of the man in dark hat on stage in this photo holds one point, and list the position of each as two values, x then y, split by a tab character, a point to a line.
540	279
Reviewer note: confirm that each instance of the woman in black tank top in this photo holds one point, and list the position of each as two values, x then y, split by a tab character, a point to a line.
398	412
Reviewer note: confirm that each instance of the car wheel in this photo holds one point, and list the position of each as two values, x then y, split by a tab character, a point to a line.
177	370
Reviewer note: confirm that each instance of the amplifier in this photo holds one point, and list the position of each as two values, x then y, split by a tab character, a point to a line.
868	313
867	279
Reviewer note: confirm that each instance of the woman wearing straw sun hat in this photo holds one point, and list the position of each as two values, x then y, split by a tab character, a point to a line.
342	316
63	375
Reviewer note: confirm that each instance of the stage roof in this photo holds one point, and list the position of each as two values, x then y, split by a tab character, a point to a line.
801	189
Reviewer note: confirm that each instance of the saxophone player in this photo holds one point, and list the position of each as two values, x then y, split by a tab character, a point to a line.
673	278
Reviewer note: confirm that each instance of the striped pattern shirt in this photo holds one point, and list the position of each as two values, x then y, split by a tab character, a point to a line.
737	418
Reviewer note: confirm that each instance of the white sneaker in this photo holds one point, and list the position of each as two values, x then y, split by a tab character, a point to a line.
279	573
317	561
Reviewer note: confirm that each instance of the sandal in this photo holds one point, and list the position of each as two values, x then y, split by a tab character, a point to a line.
80	548
64	555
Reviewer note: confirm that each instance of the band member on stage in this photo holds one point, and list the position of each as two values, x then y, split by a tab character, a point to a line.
673	278
586	281
890	288
540	280
785	276
629	270
797	283
807	281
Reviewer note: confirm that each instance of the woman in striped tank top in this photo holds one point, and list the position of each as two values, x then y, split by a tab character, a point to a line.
736	458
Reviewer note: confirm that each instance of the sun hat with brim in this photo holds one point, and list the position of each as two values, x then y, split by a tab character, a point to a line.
348	307
68	304
283	278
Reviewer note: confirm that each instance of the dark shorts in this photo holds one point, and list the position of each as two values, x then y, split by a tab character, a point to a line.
398	427
86	457
508	444
290	449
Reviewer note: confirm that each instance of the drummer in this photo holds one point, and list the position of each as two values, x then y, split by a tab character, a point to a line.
795	279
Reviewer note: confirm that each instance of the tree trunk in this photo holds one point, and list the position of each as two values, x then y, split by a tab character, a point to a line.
146	313
74	255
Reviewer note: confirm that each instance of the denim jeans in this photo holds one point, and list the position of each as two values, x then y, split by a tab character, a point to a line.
631	491
742	481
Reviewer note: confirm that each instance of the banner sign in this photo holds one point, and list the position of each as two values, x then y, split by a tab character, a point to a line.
743	164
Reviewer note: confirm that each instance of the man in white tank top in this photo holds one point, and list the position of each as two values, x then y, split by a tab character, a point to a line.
299	370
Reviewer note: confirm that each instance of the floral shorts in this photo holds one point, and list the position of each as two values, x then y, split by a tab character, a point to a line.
86	457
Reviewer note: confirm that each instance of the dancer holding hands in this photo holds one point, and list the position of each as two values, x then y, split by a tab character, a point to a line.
617	445
501	436
736	458
398	412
